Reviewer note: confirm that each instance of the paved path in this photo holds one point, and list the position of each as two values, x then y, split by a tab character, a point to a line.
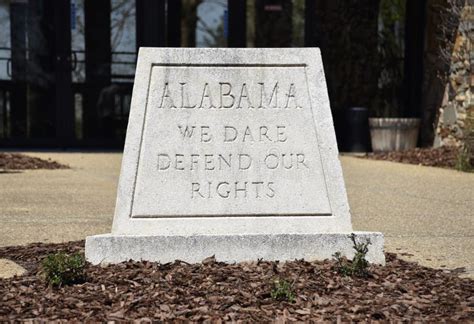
426	214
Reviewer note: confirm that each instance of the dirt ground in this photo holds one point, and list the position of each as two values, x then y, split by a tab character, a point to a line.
399	291
18	161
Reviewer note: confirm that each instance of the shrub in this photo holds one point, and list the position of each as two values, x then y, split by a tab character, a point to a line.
360	266
62	269
282	290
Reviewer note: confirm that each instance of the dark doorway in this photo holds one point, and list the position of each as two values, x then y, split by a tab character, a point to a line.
273	23
36	95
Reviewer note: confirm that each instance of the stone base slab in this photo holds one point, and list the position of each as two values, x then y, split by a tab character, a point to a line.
111	248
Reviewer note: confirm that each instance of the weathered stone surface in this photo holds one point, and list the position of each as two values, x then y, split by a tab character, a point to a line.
10	269
110	248
454	125
225	142
229	140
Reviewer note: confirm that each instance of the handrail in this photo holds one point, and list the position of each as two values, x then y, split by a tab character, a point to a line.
77	51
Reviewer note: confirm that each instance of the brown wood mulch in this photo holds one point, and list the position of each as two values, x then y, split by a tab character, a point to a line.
443	157
18	161
233	292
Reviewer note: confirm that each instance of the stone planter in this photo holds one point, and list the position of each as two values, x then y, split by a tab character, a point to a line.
393	134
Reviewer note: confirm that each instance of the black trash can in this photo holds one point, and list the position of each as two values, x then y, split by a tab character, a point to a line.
356	130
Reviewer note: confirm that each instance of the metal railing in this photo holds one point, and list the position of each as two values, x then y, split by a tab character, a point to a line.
75	62
112	111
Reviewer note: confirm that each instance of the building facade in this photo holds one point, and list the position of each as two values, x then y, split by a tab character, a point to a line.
67	66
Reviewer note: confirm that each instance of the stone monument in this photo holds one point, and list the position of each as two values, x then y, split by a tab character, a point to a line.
232	153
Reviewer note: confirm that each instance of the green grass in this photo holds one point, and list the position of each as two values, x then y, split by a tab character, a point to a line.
63	269
283	290
463	161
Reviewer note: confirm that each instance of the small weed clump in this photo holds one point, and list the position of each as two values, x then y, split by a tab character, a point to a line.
359	266
282	290
463	162
343	267
62	269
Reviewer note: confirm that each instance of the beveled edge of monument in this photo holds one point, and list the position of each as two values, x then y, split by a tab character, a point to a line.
322	117
111	248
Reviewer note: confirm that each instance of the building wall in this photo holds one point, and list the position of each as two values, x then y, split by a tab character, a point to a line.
456	119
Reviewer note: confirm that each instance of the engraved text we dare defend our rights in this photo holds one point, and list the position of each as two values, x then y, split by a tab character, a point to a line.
224	95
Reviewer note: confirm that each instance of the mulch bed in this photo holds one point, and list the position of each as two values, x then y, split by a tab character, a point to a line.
17	161
443	157
232	292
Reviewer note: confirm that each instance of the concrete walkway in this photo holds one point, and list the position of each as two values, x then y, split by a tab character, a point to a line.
426	214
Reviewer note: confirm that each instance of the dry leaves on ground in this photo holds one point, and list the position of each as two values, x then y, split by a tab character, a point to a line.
233	292
443	157
17	161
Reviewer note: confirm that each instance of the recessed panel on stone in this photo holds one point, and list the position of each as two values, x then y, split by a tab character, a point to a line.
234	140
